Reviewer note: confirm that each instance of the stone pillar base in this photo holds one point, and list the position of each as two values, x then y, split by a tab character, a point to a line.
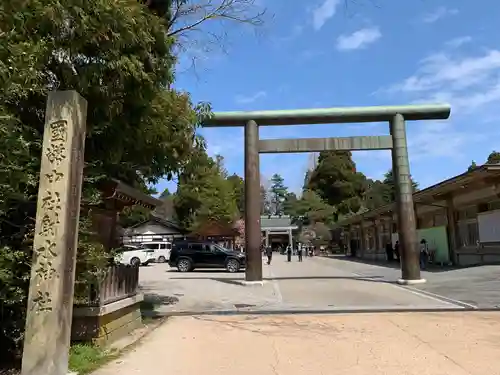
250	283
411	282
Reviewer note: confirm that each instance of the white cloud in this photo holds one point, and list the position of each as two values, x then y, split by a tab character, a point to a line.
439	13
466	82
242	99
324	12
458	42
439	139
358	39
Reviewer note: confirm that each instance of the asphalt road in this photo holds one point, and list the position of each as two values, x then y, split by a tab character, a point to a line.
316	284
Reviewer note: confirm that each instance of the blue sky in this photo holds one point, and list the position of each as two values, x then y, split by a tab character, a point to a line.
325	54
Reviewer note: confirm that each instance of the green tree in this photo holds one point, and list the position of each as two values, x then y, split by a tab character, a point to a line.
493	158
289	204
238	186
379	193
472	166
389	189
203	194
278	191
336	181
117	55
311	208
166	209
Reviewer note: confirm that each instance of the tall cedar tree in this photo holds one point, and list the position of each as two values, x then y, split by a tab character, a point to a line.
336	180
278	191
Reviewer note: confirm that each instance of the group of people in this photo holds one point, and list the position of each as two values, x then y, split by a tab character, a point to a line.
300	251
393	253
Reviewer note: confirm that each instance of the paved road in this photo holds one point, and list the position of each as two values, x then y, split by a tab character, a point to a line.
476	286
354	344
315	284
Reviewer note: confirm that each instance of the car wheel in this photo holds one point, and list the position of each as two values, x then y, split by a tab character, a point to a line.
233	265
184	265
162	259
136	262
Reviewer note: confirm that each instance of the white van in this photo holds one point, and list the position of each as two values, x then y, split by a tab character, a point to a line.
161	249
135	255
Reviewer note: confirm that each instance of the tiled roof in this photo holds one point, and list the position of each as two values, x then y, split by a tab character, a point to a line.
275	221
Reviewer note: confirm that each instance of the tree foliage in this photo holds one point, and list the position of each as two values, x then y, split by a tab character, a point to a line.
472	166
310	208
277	193
166	209
118	56
493	158
204	195
238	186
336	180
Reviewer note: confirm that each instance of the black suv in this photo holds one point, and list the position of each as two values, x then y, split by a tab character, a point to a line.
188	255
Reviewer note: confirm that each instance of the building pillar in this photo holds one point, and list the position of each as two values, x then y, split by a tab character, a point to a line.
253	271
349	239
376	233
267	238
408	240
50	299
453	233
290	238
362	242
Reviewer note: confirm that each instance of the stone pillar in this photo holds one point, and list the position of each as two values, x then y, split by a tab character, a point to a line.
253	271
290	238
453	239
410	263
50	300
267	238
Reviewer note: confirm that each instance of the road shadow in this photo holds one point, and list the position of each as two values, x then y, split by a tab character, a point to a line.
154	300
394	264
234	281
205	270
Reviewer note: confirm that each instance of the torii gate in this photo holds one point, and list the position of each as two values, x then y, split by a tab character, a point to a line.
396	142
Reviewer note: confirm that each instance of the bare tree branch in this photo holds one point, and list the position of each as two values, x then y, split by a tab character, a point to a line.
189	15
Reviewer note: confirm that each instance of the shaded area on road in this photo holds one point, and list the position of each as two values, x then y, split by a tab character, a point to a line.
383	344
478	286
384	263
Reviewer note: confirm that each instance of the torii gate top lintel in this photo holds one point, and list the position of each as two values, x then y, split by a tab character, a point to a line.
334	115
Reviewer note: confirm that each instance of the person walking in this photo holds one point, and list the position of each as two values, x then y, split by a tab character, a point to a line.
424	254
269	253
396	251
390	252
299	253
289	253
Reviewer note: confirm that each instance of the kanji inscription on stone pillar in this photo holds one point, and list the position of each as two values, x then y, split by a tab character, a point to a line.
50	300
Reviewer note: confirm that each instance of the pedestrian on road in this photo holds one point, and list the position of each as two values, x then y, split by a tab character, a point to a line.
396	251
269	253
299	253
390	252
289	253
424	254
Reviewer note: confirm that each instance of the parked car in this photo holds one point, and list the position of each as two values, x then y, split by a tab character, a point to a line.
188	255
135	255
161	250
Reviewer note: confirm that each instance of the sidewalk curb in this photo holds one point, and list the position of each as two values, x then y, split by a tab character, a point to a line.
333	311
